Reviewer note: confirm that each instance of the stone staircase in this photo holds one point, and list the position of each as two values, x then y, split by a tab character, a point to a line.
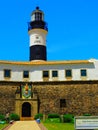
26	118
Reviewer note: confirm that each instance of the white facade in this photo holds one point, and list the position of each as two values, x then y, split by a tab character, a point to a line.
36	69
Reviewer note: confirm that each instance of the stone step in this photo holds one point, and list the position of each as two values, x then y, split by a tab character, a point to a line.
26	118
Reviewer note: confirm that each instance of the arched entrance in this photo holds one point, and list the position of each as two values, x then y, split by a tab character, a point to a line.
26	109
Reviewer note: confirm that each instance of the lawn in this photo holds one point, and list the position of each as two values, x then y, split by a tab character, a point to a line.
59	126
52	126
2	126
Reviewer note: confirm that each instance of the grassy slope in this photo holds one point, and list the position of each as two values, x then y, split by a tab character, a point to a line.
59	126
2	126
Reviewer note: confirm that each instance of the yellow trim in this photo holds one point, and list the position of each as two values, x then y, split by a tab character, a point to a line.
38	29
83	77
39	63
55	78
26	79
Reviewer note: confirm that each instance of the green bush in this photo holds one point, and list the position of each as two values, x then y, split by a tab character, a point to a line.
68	118
52	120
53	115
87	114
14	117
2	117
39	115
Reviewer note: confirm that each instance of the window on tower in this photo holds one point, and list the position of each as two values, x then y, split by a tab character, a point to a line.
38	16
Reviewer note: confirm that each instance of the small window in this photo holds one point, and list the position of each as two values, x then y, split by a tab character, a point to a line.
25	74
83	72
62	103
54	73
38	16
68	73
45	74
7	73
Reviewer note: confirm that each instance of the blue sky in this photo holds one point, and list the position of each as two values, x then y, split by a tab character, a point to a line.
72	24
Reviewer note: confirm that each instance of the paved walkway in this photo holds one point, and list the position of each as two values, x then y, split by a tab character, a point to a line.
25	125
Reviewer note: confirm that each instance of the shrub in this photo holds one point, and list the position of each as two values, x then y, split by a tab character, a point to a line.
53	115
68	118
52	120
39	115
2	117
14	117
87	114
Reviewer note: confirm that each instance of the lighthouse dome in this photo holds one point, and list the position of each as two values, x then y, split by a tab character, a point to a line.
37	15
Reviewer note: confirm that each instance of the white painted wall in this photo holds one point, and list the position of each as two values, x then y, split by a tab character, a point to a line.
41	37
35	72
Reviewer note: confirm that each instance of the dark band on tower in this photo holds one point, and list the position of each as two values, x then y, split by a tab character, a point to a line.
37	29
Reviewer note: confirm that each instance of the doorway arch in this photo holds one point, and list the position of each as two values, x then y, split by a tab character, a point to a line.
26	109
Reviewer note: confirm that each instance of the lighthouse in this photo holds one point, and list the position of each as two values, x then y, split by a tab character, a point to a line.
37	29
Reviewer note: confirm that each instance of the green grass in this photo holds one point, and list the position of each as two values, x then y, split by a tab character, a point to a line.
52	120
59	126
2	126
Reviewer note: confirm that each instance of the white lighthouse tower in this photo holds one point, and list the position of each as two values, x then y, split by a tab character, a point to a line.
37	30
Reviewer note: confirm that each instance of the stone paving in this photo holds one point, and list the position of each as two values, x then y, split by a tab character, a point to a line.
25	125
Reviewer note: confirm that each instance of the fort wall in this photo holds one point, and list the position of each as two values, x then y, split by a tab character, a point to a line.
81	97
